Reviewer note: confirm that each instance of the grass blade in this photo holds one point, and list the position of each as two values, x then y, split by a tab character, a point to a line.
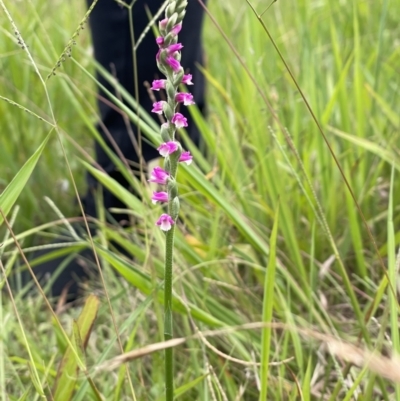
68	369
268	304
393	274
11	193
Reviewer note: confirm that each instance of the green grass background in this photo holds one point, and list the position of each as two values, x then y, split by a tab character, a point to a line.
320	272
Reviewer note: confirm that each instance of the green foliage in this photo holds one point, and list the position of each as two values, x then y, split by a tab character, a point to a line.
12	191
68	370
268	307
263	149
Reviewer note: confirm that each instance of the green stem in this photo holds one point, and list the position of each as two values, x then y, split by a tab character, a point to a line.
169	361
169	256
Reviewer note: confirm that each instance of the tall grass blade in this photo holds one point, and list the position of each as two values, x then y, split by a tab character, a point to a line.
68	370
11	193
188	386
268	304
393	274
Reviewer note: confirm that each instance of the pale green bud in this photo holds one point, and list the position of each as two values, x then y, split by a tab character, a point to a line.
172	21
170	9
165	132
171	92
175	208
178	77
168	111
167	166
172	189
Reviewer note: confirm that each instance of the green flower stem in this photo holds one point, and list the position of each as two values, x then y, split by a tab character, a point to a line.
168	331
168	319
173	210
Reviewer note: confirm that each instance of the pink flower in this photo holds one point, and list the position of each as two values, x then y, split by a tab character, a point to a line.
158	84
186	157
167	148
165	222
159	197
160	41
174	48
185	98
158	107
179	120
176	29
173	63
187	79
159	176
163	23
